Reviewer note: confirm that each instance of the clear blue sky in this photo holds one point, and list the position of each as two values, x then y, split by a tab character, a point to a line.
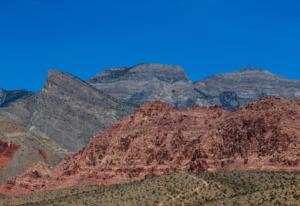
204	36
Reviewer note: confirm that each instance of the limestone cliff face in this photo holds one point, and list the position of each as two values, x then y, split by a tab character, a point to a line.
68	111
148	82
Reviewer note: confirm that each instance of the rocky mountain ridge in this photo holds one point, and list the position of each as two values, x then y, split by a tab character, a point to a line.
149	82
68	111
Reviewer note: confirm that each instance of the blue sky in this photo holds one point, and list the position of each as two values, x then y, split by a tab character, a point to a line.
204	36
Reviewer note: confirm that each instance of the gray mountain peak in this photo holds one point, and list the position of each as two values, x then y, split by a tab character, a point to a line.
148	82
68	111
162	72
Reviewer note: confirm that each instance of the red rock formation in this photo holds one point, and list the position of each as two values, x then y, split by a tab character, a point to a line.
159	139
7	152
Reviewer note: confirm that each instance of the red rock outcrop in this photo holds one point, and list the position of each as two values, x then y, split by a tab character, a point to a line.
159	139
7	152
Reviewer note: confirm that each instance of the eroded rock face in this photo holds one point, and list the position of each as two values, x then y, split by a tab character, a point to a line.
159	139
68	111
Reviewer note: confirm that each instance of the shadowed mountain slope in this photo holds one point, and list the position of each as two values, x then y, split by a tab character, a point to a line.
8	97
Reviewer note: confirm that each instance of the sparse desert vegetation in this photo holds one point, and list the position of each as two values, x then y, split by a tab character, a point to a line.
237	188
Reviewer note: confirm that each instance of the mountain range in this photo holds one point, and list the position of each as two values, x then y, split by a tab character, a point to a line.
130	123
148	82
70	111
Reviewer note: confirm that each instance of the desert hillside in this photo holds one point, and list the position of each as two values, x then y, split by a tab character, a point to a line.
159	139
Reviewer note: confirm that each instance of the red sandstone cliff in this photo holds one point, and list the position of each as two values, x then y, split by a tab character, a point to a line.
159	139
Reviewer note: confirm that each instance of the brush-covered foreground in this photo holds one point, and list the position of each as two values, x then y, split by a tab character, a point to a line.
243	188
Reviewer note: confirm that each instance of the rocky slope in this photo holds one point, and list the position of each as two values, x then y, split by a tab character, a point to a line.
68	111
147	82
159	139
232	90
8	97
20	149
